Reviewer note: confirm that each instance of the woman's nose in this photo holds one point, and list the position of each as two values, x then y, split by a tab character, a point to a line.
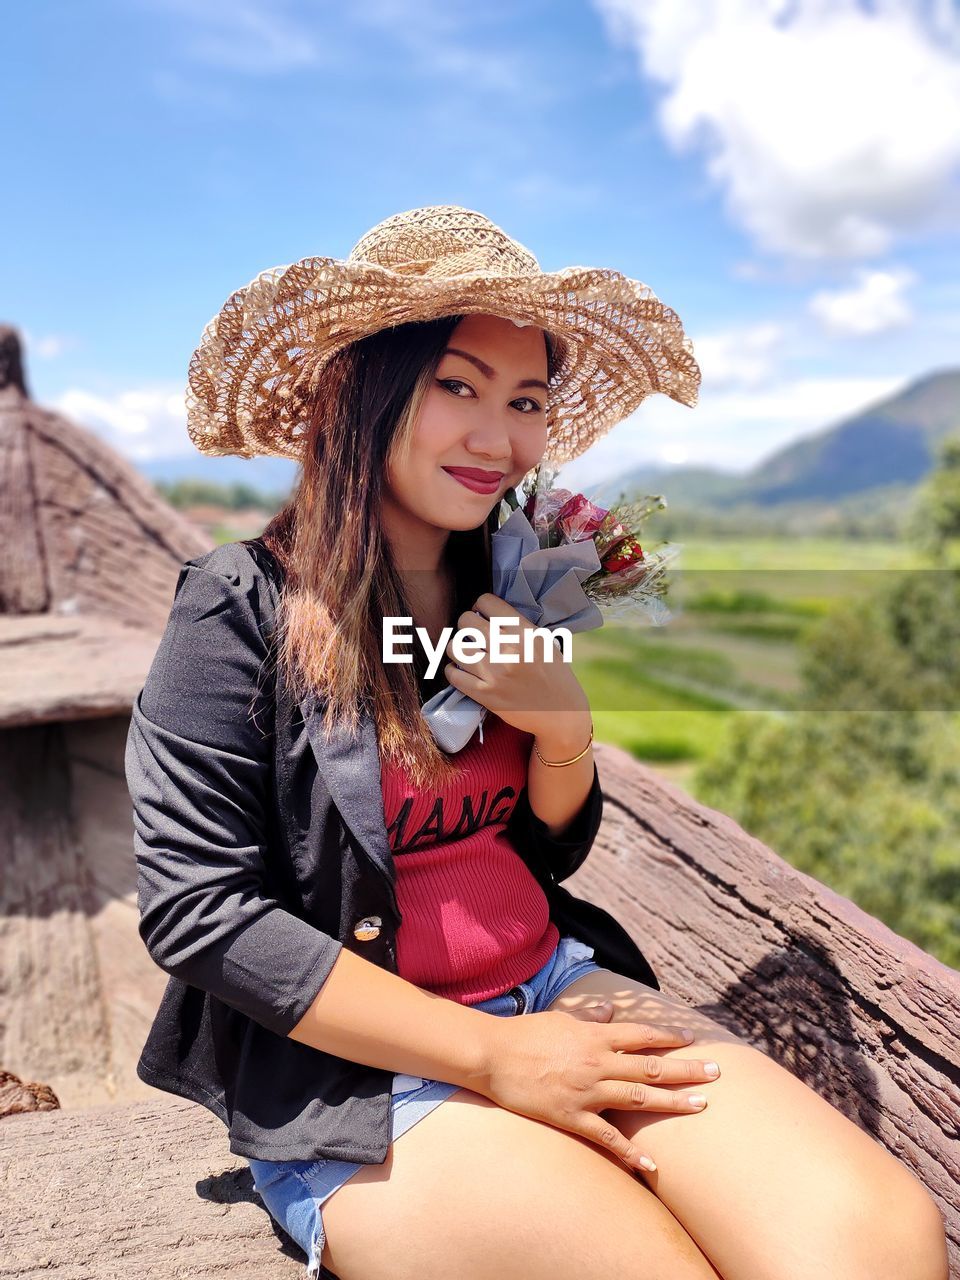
492	440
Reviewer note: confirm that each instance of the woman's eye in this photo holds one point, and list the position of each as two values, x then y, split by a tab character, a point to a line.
456	382
447	382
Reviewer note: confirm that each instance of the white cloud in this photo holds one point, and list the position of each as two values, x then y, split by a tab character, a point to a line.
747	270
141	424
830	129
742	357
874	304
437	44
47	346
675	455
730	430
244	35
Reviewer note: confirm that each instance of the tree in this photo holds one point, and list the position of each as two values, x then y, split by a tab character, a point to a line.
935	520
861	786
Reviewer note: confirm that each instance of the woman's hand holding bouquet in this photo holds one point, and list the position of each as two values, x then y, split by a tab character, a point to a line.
533	694
561	561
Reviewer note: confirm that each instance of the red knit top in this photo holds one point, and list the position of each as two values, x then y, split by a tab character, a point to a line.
475	920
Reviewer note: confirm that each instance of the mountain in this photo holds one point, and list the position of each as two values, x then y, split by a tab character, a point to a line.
875	457
890	443
268	475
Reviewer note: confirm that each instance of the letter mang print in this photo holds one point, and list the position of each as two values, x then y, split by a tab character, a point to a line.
484	795
437	828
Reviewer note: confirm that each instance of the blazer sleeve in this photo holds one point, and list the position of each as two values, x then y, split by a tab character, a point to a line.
198	764
560	857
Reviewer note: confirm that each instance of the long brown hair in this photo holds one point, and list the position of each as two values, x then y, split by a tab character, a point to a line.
340	577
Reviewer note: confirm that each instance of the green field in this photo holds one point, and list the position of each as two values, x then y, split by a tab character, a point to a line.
797	553
738	610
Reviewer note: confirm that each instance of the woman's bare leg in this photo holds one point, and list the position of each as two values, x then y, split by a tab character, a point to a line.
477	1191
771	1180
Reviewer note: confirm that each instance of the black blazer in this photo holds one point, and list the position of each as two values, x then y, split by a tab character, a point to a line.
262	851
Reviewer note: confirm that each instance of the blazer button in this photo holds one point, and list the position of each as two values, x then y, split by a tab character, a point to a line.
367	928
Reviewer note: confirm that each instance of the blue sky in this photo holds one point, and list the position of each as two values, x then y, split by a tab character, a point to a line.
785	176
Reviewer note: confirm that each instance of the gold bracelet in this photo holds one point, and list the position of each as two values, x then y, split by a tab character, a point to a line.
559	764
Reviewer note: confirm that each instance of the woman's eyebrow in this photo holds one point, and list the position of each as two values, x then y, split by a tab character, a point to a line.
487	371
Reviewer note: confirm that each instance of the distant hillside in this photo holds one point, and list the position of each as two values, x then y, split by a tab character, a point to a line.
888	446
267	475
855	478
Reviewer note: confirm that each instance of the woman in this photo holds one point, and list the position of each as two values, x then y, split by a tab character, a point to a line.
292	812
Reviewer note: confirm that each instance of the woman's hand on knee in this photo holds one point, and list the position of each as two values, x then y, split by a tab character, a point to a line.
566	1066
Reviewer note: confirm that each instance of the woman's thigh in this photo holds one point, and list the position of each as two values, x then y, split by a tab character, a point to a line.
769	1178
476	1190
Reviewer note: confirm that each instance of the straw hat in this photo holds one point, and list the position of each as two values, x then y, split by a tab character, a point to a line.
617	342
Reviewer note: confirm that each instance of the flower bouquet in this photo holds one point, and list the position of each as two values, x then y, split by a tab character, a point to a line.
562	561
630	582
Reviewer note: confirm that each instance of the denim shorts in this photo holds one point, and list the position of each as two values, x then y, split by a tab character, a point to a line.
294	1190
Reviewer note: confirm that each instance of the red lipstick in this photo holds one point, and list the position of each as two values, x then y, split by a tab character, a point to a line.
475	478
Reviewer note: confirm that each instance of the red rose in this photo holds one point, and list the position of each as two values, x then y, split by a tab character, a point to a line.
543	514
611	532
579	518
627	551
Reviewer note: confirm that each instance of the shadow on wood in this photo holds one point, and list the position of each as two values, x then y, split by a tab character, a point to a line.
864	1017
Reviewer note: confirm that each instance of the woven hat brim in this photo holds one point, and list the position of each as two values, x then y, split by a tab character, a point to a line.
617	344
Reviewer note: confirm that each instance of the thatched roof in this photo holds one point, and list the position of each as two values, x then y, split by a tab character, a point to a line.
90	559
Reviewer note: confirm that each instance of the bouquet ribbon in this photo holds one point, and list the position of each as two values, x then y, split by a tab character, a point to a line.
543	584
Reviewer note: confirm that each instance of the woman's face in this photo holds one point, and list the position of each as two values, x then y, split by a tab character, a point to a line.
484	412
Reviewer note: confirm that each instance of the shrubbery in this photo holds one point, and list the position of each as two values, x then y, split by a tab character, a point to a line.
861	786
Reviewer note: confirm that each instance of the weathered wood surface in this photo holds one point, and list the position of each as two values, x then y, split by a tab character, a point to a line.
52	1021
130	983
148	1191
78	989
53	1018
55	668
865	1018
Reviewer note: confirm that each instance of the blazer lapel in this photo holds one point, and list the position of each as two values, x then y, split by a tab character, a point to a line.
351	770
350	767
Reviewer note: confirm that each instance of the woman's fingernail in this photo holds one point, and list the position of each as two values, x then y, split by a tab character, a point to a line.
711	1069
647	1163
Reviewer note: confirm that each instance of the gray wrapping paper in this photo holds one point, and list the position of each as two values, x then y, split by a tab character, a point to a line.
543	584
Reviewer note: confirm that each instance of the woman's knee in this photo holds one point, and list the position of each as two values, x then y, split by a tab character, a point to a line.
898	1227
505	1195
